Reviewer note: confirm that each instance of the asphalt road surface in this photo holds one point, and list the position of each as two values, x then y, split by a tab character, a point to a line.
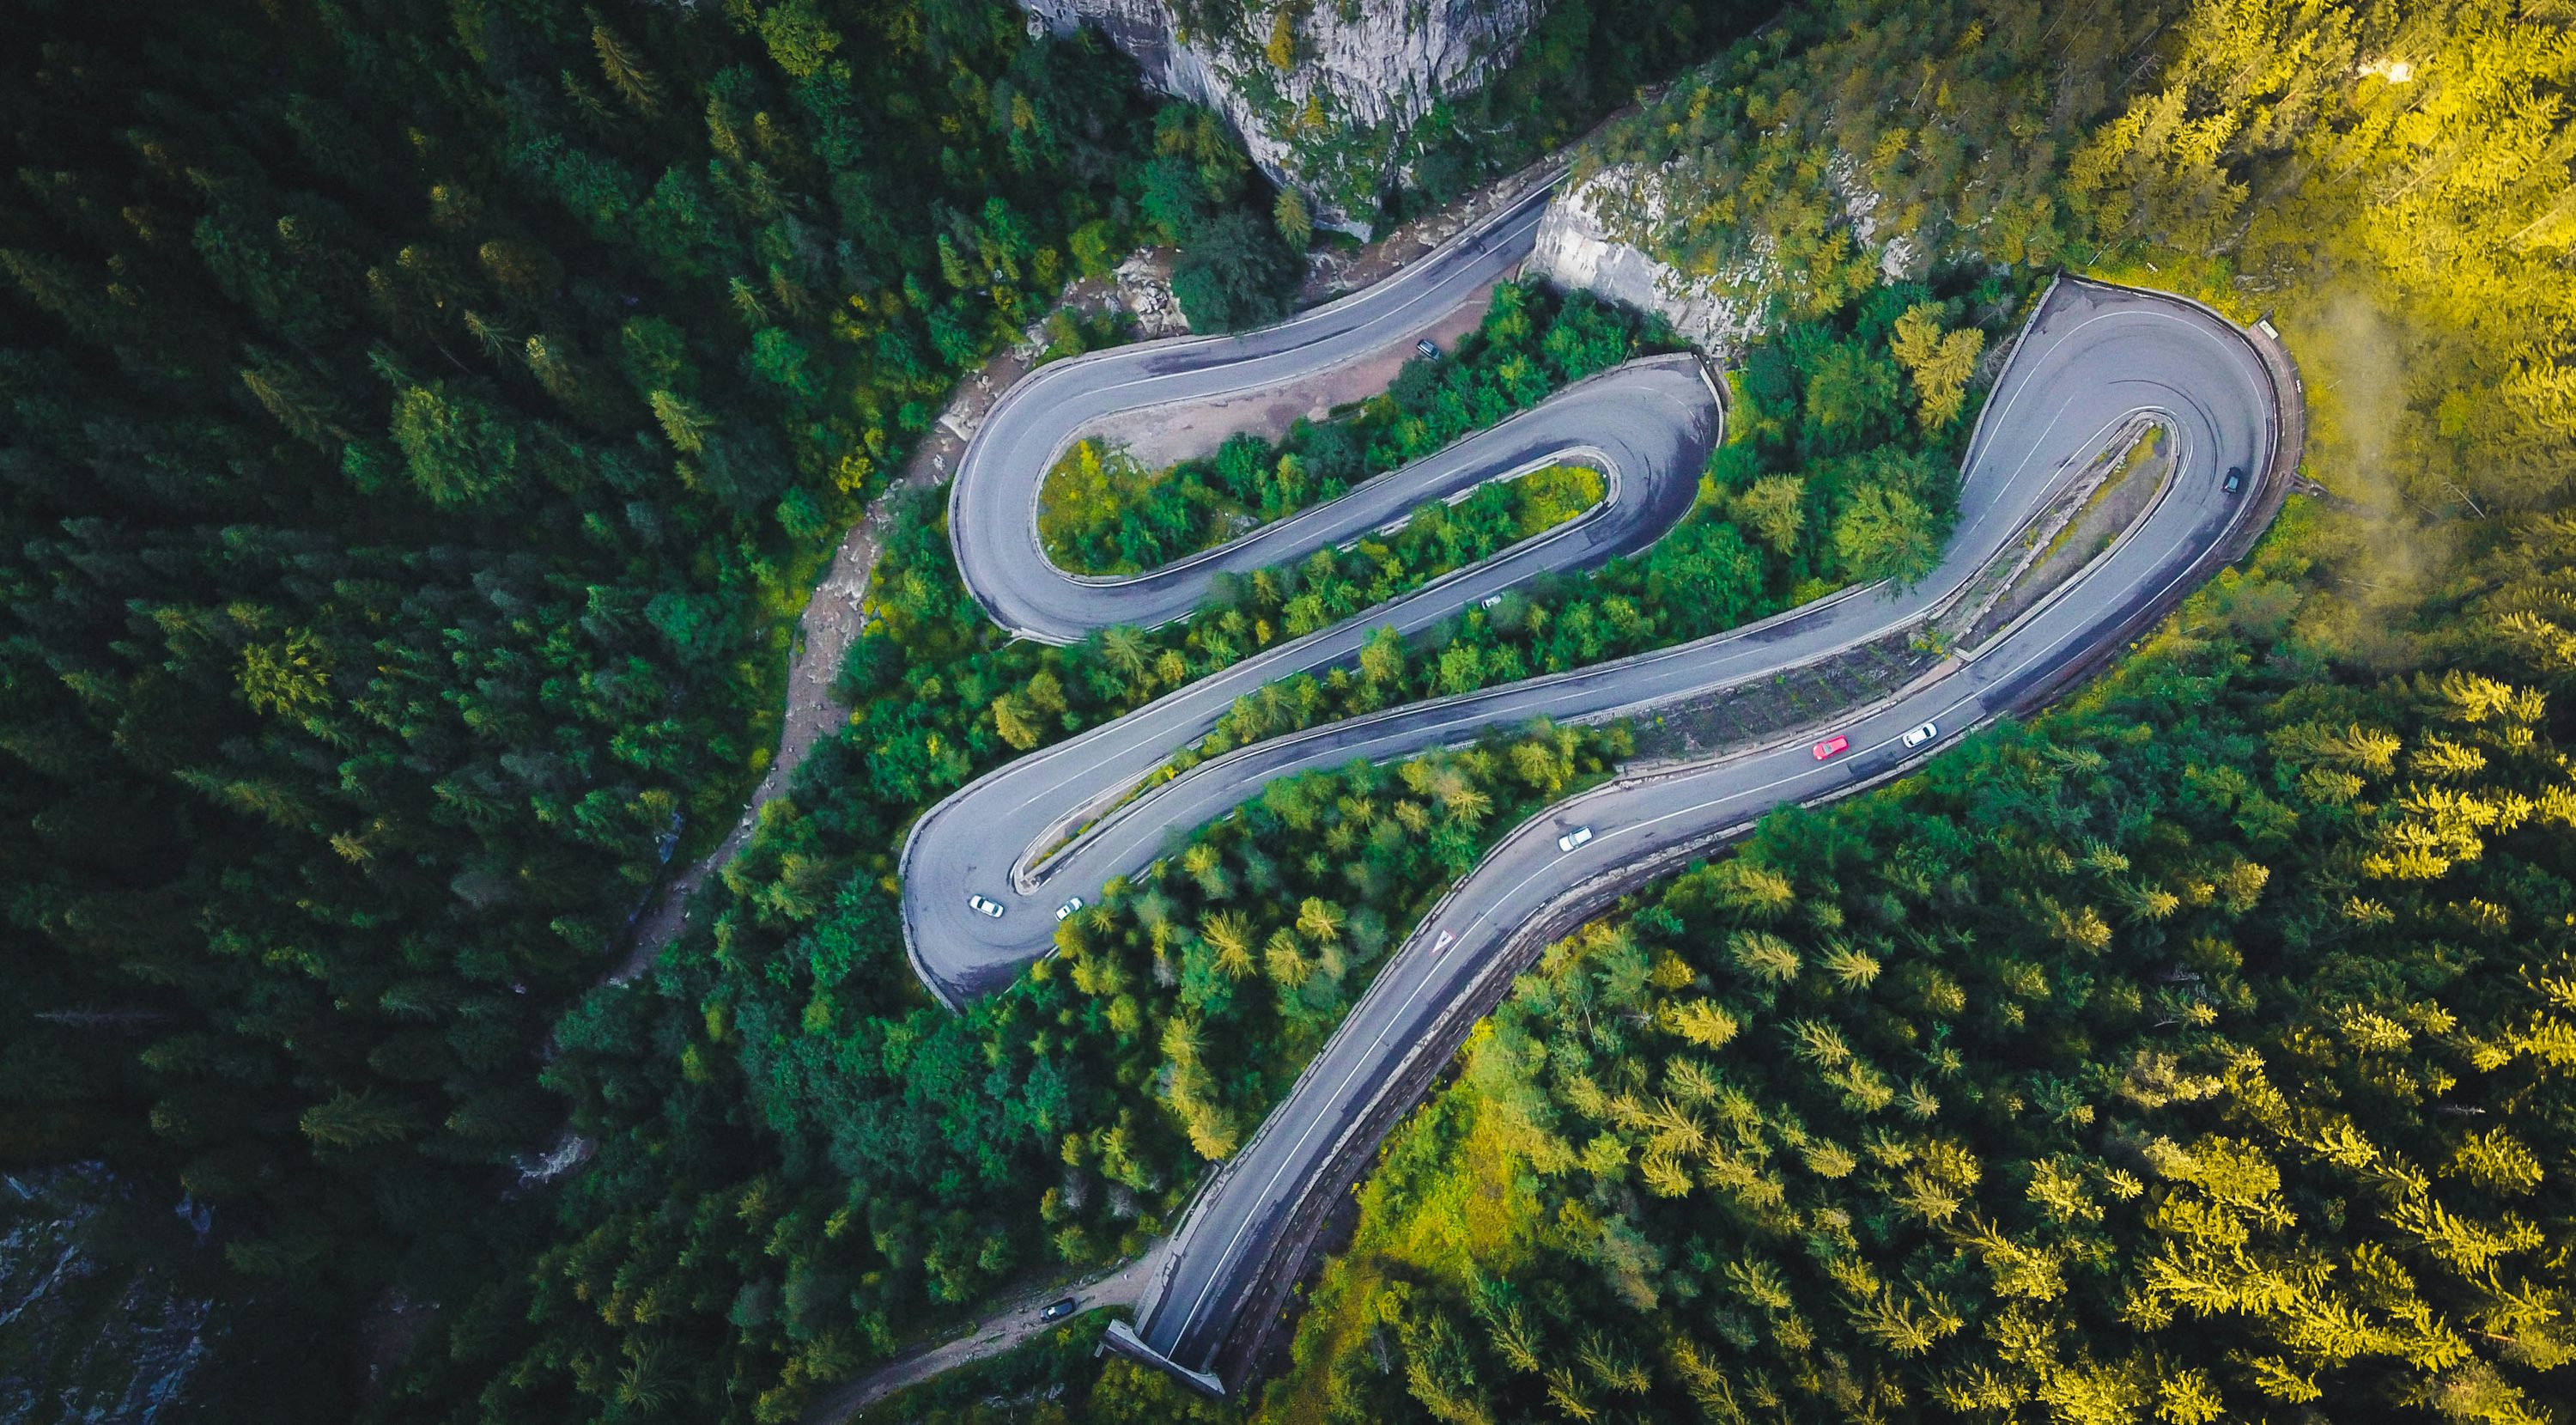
2093	358
1648	427
1002	1327
993	505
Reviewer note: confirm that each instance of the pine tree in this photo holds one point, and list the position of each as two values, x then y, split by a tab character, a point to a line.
625	74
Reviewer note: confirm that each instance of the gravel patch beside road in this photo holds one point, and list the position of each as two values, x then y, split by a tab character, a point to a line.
1009	1324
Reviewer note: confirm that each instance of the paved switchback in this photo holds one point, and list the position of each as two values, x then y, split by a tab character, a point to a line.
1648	426
993	505
2092	358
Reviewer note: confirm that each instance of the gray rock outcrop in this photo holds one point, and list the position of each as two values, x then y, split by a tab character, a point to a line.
1338	121
1576	249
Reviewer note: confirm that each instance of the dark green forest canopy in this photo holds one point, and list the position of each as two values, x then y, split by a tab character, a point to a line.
417	425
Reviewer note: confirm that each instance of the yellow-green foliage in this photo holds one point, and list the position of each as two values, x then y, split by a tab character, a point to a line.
2419	262
1454	1197
1547	498
1093	484
1939	362
2248	1098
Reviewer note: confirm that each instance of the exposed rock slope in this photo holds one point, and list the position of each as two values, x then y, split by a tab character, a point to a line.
1575	249
1327	95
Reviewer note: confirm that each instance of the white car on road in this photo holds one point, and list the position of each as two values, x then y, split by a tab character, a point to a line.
1574	838
1923	734
985	905
1068	908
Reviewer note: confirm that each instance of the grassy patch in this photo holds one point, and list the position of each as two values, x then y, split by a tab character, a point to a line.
1094	477
1452	1198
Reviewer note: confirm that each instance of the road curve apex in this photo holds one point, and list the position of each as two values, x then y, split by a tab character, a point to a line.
992	501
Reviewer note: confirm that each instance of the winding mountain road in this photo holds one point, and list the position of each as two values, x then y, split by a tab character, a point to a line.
993	504
2092	359
1648	427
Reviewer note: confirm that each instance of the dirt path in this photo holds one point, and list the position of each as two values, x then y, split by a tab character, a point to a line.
832	621
830	624
1007	1325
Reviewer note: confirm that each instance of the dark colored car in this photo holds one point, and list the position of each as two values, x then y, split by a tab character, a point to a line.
2235	480
1060	1310
1429	352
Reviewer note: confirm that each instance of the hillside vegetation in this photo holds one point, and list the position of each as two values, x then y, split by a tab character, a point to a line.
2198	1052
420	423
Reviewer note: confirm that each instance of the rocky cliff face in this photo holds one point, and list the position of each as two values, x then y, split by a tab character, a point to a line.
1598	234
101	1319
1336	120
1576	249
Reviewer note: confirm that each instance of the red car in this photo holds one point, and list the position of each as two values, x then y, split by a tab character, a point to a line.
1831	745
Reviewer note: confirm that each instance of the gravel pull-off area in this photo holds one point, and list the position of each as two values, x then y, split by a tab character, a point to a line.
1166	435
1007	1324
1750	712
1163	437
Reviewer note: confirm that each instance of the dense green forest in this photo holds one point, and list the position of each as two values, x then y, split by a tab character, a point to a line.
420	421
421	424
407	570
